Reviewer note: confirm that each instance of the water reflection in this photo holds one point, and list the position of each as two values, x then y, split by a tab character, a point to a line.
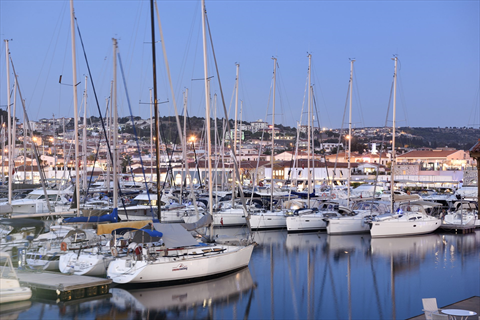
186	300
300	276
11	311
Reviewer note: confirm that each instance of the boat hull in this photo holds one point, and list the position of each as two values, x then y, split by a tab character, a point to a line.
347	226
391	228
10	291
268	220
85	264
165	269
306	222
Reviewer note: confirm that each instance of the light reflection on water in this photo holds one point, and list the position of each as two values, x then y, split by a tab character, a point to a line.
301	276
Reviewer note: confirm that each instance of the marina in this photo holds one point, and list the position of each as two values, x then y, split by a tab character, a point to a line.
305	276
154	194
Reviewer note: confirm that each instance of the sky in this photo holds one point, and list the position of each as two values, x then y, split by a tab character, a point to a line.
437	44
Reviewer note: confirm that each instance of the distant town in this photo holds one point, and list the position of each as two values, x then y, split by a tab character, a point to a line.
422	149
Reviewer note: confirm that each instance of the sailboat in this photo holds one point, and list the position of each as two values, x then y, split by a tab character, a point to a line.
168	252
273	218
410	218
312	217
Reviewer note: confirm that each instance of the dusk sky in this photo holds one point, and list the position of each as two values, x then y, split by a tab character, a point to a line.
437	43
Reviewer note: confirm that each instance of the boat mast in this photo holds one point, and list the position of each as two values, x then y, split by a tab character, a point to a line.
84	138
272	155
392	166
14	126
309	157
75	105
9	129
155	108
234	180
151	139
350	133
55	148
115	127
207	117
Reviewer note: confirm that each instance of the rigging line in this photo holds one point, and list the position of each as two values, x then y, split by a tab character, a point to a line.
321	139
228	125
402	98
40	169
357	96
185	53
99	110
51	61
260	147
340	134
295	154
136	136
94	91
382	146
96	154
321	93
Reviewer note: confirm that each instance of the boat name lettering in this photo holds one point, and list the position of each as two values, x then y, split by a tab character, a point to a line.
180	267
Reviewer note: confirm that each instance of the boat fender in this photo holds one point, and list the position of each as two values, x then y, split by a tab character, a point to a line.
63	246
114	251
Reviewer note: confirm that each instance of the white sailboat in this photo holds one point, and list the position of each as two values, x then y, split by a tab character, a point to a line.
357	223
178	257
410	218
170	253
275	217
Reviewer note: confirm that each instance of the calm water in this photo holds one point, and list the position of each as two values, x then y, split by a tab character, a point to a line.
302	276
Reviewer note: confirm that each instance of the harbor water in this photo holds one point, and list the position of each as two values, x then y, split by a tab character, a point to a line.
300	276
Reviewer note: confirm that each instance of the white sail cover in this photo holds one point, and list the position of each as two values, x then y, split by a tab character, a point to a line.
174	235
204	221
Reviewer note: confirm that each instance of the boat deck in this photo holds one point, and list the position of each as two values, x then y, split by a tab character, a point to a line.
63	287
472	304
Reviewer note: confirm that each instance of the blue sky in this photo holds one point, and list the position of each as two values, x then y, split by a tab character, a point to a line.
437	43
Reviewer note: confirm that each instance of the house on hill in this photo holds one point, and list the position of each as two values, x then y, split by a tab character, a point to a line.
437	159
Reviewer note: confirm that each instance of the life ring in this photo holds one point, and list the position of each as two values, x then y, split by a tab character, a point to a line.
324	194
114	251
334	196
63	246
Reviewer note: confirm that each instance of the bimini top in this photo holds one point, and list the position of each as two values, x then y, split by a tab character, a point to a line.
21	224
111	217
140	235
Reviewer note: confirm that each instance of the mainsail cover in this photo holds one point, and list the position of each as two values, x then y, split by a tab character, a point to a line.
174	235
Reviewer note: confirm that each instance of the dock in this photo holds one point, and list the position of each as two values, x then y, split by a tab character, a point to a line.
472	304
458	228
62	287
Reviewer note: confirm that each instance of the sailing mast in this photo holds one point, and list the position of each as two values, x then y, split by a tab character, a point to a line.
9	129
84	138
234	180
350	133
115	127
309	189
392	166
272	155
75	105
207	117
155	108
